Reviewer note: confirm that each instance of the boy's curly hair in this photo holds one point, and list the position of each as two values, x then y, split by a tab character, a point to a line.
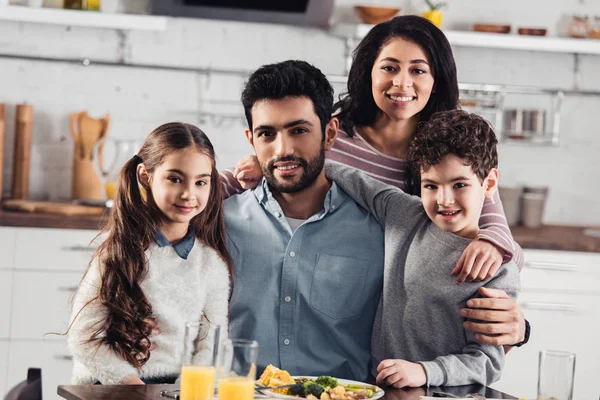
467	136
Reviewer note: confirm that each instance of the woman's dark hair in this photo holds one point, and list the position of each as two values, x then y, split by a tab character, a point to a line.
131	229
467	136
292	78
356	107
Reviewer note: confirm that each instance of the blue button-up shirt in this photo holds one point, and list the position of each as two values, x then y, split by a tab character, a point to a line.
308	297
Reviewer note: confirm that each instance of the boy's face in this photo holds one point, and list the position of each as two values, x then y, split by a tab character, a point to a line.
453	195
288	142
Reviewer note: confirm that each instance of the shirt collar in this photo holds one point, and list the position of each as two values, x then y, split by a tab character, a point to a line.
183	247
333	200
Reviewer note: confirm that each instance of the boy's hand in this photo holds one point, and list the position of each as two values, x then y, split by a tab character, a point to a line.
401	373
247	171
500	315
479	261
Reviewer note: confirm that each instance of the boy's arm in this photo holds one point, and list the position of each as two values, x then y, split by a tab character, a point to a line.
494	229
375	196
477	363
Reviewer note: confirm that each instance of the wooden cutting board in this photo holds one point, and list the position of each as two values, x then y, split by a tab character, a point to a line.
51	207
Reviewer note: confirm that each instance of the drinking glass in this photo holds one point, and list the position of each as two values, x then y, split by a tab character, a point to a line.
198	368
556	375
237	363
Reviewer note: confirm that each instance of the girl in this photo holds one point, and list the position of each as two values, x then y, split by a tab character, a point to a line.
163	262
403	71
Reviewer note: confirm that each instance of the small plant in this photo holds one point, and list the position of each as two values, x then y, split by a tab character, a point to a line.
435	6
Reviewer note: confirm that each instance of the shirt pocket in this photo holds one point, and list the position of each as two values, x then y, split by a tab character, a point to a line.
337	285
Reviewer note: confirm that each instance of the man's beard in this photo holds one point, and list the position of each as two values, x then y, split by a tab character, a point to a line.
311	171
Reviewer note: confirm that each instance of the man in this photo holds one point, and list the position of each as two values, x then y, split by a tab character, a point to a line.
308	261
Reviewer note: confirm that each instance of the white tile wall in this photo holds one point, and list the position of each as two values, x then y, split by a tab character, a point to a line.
139	99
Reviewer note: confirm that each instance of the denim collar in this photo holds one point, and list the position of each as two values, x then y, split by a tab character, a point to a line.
183	247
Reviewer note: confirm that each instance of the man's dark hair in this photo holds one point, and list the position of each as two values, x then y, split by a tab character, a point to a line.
292	78
357	107
467	136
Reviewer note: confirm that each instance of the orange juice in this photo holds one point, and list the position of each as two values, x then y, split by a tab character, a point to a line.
111	189
236	388
197	382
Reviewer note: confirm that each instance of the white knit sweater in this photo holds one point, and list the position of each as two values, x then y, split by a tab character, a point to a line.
179	291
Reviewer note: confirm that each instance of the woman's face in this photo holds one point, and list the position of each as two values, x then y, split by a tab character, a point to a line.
402	79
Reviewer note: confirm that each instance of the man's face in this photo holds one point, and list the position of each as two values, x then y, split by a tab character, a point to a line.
287	139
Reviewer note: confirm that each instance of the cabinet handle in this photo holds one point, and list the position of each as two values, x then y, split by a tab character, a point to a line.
549	306
63	357
69	289
552	266
79	247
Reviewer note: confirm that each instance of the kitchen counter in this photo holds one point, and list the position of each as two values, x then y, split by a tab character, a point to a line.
557	237
41	220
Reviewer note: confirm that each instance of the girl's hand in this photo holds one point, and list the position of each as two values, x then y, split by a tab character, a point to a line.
248	172
499	315
132	380
479	261
401	373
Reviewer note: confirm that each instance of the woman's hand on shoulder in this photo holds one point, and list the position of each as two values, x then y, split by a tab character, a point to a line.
247	171
400	373
480	261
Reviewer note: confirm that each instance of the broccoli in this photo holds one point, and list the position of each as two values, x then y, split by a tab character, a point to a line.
327	382
314	389
297	389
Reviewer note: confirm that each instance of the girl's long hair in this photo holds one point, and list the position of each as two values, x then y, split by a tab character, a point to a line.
130	231
356	107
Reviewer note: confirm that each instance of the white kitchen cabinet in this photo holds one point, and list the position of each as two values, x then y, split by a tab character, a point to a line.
3	366
54	249
51	356
561	299
41	303
7	248
5	302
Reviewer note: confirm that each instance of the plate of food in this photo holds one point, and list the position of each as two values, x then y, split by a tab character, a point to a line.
314	387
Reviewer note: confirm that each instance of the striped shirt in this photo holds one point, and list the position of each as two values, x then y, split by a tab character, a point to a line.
358	153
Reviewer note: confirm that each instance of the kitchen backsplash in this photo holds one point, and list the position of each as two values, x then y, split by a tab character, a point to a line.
138	99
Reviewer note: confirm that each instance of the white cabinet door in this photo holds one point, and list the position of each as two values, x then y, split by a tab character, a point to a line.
51	356
559	321
7	247
41	303
5	303
3	366
54	249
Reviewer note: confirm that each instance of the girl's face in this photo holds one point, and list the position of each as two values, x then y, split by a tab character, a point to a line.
181	187
402	79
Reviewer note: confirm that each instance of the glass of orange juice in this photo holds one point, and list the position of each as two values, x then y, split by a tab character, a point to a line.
198	368
237	363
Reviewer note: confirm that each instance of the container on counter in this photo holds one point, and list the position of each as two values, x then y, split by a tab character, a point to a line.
93	5
534	201
595	28
73	4
511	201
578	27
2	130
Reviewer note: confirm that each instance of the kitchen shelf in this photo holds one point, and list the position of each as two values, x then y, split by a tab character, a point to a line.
84	18
501	41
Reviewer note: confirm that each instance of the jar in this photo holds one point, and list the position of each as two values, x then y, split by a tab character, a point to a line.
578	26
595	29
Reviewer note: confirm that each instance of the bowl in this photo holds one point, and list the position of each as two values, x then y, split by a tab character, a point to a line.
533	31
491	28
374	15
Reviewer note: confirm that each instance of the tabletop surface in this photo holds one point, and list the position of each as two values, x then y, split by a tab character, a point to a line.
139	392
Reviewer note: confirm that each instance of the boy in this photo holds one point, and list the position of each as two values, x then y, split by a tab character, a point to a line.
418	336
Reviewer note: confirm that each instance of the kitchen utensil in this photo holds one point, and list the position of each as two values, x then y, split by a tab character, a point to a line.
491	28
257	387
109	157
374	15
533	31
51	207
20	183
556	373
87	131
2	130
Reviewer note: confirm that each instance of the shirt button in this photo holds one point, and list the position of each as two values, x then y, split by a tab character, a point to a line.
286	341
288	299
333	207
292	254
278	214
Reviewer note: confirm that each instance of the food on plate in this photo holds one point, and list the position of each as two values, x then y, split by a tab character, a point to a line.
321	388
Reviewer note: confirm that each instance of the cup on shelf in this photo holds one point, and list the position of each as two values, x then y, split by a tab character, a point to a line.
556	375
237	369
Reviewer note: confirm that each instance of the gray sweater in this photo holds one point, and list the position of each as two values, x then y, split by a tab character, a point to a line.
418	317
